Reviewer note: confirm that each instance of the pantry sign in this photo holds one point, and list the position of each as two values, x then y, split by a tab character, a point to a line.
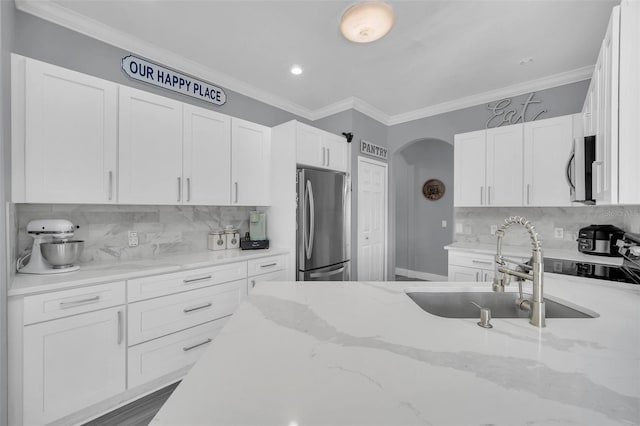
149	72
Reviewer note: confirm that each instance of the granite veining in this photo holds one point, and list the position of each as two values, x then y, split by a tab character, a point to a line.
365	354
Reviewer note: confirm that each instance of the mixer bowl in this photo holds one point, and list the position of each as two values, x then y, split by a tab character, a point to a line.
61	254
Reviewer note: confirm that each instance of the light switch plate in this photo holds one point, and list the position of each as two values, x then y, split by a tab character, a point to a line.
444	223
133	238
558	233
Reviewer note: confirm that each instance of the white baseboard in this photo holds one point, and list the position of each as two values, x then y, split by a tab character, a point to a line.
420	275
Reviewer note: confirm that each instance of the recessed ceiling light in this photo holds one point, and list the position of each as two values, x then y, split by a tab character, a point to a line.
296	70
366	21
526	61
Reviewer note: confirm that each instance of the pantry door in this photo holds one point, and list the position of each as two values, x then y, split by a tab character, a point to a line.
372	219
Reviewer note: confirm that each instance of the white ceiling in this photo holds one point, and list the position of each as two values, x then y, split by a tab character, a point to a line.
438	52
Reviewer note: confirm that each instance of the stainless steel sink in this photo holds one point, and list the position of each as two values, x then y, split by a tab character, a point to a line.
502	305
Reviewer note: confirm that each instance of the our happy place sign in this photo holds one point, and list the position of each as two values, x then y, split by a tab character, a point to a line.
152	73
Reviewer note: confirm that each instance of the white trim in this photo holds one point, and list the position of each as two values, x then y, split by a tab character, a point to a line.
385	209
420	275
548	82
74	21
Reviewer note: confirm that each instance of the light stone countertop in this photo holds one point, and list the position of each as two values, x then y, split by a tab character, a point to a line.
24	284
358	353
483	248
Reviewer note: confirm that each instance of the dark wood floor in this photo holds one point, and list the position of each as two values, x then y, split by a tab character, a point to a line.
137	413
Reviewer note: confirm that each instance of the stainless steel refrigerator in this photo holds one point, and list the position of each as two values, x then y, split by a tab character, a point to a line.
322	226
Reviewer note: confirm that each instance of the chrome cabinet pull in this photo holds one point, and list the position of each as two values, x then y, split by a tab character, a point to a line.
236	187
488	195
67	305
188	189
195	280
197	345
484	262
120	330
481	196
110	185
324	150
196	308
269	265
477	276
528	192
253	283
179	188
328	157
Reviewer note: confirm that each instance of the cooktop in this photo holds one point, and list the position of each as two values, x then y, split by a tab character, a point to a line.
592	270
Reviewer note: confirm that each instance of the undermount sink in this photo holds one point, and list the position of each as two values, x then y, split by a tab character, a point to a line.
502	305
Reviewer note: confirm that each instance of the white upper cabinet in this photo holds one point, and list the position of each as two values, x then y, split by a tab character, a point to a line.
250	152
470	151
64	135
317	148
206	153
547	149
504	166
150	150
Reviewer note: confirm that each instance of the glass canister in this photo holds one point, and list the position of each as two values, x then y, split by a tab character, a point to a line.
216	240
232	237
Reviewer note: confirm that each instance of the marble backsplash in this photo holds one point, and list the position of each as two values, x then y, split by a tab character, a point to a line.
104	228
476	223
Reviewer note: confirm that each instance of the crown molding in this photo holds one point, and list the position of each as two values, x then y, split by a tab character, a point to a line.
74	21
548	82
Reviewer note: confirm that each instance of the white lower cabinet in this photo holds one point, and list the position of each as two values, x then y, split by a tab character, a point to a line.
154	359
273	268
470	267
71	363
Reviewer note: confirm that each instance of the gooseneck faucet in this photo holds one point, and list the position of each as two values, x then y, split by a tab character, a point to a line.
503	274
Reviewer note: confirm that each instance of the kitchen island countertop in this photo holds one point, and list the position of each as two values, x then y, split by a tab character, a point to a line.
361	353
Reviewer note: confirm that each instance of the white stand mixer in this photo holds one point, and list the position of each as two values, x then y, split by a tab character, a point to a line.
57	231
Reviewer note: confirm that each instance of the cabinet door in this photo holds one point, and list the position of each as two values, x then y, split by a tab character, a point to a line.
335	152
547	148
605	168
71	363
70	136
150	150
463	273
281	275
310	150
469	169
206	157
250	151
504	166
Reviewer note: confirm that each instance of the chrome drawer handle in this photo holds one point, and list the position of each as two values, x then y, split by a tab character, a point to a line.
195	280
188	348
195	308
120	330
269	265
484	262
67	305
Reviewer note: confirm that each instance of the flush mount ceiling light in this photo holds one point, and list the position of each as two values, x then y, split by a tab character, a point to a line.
296	70
366	21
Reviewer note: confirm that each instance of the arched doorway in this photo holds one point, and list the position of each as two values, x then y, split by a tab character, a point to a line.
422	226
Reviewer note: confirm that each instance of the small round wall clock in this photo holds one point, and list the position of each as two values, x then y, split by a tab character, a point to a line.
433	189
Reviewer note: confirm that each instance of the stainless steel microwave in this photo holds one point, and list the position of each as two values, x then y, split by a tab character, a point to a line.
580	169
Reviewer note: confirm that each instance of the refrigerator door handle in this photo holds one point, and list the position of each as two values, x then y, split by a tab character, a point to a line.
309	239
327	274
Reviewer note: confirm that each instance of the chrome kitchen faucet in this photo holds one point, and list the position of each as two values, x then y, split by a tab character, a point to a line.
503	274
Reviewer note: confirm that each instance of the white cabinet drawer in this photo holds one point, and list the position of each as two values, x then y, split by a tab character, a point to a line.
153	359
471	260
280	275
48	306
266	264
154	318
161	285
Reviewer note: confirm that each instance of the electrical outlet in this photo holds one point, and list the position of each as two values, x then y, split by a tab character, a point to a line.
459	228
558	233
444	223
494	229
133	238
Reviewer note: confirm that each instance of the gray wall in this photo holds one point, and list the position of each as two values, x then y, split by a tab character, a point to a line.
420	237
561	100
6	45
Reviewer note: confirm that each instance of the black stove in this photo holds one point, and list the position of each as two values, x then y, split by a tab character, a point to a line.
599	271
